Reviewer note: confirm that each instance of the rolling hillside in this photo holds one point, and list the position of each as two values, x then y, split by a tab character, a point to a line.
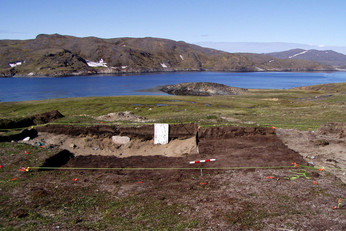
60	55
327	57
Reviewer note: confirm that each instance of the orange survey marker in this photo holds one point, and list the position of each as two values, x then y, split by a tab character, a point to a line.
270	177
339	204
13	179
296	165
24	169
75	179
26	152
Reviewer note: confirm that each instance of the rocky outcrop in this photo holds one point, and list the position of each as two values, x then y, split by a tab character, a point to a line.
202	89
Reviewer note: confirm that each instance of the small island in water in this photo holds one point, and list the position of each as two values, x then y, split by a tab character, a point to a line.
202	89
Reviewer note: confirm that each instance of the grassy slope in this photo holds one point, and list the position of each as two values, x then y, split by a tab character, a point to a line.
296	108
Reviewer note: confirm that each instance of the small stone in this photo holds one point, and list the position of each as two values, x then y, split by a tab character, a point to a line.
73	146
120	139
26	139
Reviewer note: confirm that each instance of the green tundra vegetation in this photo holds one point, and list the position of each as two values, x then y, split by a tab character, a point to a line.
304	108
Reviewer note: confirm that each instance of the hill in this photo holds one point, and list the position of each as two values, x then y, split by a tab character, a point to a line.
326	88
60	55
327	57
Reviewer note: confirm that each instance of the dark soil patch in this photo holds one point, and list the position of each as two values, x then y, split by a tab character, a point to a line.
32	120
32	133
58	159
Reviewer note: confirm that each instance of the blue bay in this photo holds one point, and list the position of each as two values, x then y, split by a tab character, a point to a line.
21	89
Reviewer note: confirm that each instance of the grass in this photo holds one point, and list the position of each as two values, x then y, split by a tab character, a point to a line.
248	216
137	213
301	109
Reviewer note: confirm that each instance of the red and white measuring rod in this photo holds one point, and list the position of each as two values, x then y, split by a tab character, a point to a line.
201	161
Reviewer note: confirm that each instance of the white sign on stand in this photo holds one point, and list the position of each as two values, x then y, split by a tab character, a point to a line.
161	133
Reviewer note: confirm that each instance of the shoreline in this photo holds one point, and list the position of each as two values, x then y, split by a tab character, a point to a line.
135	73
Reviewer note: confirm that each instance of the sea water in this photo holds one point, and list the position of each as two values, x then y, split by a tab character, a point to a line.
30	88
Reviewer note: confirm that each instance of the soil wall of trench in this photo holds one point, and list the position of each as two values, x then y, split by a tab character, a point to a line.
230	146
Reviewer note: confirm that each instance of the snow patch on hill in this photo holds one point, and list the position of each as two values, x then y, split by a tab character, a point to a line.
297	54
15	64
100	63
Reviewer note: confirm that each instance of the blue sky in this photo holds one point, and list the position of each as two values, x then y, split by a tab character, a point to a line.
318	22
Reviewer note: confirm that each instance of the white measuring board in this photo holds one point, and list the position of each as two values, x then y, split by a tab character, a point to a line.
161	133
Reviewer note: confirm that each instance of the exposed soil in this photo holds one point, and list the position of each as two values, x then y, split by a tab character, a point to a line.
231	146
222	199
42	118
325	147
